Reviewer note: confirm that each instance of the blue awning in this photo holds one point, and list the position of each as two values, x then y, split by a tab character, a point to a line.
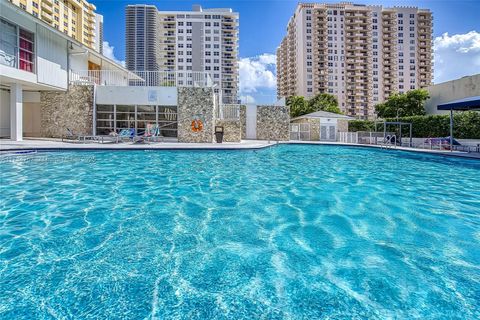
470	103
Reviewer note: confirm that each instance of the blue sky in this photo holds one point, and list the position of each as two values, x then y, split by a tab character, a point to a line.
262	26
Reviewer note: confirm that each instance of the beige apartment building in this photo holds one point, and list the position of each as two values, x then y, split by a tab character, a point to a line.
201	40
76	18
359	53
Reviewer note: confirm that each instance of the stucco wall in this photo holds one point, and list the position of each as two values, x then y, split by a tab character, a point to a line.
72	109
273	123
232	130
451	90
195	103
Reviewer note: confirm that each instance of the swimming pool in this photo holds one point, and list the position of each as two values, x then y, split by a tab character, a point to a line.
293	231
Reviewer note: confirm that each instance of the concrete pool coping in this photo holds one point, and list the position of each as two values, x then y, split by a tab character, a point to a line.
39	144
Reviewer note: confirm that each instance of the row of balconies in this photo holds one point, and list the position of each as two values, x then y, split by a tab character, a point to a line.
424	17
357	21
389	30
47	16
357	14
349	28
425	24
424	44
167	27
168	48
47	7
356	35
355	94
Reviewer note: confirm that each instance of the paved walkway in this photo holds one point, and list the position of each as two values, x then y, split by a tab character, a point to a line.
55	144
50	144
474	155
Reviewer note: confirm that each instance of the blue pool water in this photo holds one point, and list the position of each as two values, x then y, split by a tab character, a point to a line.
289	232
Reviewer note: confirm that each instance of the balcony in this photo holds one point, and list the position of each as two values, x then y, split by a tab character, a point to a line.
141	78
47	7
47	16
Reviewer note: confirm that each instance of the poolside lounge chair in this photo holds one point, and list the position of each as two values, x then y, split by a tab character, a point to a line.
442	143
152	133
70	135
126	134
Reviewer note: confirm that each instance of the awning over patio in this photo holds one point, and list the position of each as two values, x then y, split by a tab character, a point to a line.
465	104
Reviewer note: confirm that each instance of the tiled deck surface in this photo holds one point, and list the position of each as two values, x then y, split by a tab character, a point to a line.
50	144
55	144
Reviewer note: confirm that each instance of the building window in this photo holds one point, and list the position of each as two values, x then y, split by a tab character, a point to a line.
16	47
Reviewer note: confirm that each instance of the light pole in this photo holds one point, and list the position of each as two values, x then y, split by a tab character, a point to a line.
398	110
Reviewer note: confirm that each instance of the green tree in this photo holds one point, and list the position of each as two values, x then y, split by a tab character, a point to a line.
298	106
323	101
406	104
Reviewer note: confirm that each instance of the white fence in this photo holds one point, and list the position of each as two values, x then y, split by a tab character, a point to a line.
348	137
228	112
141	78
362	137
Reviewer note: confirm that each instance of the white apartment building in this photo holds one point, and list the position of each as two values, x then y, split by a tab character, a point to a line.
37	58
201	40
361	54
52	84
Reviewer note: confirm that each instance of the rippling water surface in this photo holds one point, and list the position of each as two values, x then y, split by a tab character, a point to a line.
289	232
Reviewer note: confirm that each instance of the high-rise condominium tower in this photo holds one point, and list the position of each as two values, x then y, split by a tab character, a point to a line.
183	41
361	54
76	18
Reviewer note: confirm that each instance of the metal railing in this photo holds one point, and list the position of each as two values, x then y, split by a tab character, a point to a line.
389	142
141	78
228	112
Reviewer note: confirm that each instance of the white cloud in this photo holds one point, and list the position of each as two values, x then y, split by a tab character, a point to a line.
257	73
456	56
247	99
108	52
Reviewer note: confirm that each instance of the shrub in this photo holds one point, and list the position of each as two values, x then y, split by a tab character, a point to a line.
466	125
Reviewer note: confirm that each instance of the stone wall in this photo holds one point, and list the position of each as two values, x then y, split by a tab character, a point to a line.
273	123
243	120
195	103
72	109
342	125
232	130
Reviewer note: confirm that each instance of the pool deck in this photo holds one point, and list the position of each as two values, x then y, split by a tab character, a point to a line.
471	155
57	144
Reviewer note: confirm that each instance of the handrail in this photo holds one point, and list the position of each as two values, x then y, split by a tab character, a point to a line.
387	141
141	78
